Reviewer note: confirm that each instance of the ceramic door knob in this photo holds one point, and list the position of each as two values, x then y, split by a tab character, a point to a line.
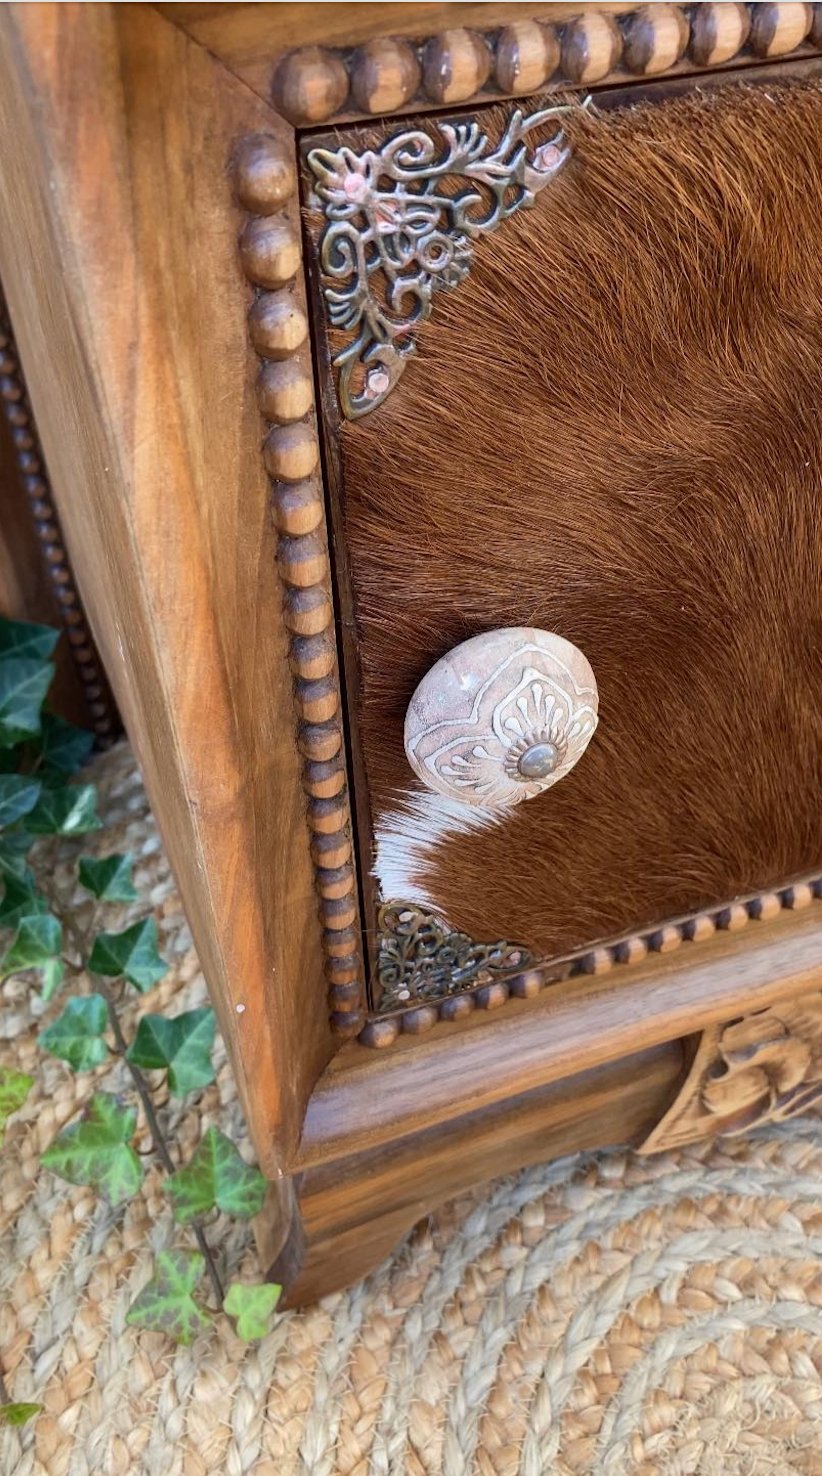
502	717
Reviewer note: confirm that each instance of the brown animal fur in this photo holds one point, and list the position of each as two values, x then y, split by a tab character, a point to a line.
613	430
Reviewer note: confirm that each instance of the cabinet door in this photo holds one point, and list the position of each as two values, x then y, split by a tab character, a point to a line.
575	388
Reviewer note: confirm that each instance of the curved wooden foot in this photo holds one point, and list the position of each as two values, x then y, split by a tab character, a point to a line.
332	1224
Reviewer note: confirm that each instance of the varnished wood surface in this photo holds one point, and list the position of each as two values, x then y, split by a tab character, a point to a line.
333	62
118	253
572	1027
249	38
352	1211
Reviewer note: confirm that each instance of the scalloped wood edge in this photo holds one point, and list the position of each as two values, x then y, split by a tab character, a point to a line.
383	1030
390	74
265	184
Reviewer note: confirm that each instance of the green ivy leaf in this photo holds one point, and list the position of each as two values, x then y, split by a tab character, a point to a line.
24	682
216	1178
23	638
37	939
19	793
64	747
14	1088
97	1150
18	1414
182	1045
252	1307
166	1304
14	848
19	900
76	1035
69	809
53	972
109	879
130	955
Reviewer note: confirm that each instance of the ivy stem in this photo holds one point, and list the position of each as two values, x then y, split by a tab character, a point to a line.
157	1135
5	1397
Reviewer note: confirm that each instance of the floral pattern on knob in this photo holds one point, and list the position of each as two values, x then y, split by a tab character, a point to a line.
502	717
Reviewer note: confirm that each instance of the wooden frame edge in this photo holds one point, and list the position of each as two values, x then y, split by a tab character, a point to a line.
575	1026
390	75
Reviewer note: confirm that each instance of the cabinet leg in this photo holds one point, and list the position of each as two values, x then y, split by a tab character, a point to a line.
335	1221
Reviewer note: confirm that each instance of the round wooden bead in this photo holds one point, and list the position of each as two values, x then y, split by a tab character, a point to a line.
318	700
718	33
324	780
312	656
457	1006
491	996
310	85
277	324
655	37
291	451
298	508
320	741
591	47
302	560
346	1026
526	986
344	970
778	29
418	1021
339	942
284	390
456	64
335	881
270	251
339	912
380	1033
307	611
264	174
698	928
527	55
331	850
767	906
385	74
665	939
325	816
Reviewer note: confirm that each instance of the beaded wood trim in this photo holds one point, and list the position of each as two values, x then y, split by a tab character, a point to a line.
34	478
384	1029
265	184
391	75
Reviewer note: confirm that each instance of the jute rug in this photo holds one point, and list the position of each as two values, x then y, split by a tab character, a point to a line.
605	1314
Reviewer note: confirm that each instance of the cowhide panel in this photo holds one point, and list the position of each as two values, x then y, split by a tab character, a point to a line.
613	430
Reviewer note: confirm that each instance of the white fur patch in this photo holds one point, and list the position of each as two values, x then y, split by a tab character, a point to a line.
406	839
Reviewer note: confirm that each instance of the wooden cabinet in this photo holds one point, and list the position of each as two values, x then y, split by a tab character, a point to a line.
431	411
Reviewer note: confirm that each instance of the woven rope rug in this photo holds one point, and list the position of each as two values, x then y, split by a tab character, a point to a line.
605	1314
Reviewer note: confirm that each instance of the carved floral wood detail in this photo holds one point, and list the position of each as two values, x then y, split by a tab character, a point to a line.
765	1067
397	233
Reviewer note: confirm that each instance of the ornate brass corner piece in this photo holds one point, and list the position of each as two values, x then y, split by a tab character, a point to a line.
395	234
764	1067
419	960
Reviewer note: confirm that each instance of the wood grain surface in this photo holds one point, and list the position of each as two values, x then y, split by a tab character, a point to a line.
118	254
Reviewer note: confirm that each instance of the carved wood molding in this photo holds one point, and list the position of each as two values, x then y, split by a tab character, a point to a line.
764	1067
392	75
265	183
424	1012
29	456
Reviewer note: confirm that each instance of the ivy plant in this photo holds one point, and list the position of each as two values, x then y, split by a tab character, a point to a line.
43	803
